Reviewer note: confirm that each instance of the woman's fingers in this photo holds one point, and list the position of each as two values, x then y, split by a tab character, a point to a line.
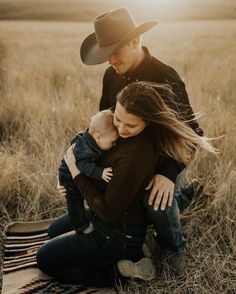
61	190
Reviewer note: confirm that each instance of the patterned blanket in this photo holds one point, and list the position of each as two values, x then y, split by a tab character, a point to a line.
20	272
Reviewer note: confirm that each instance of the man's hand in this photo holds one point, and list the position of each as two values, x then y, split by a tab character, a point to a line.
107	174
162	192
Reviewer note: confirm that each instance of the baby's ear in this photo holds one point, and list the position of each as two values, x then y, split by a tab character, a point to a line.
97	135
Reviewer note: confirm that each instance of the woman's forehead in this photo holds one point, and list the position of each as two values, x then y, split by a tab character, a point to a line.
125	117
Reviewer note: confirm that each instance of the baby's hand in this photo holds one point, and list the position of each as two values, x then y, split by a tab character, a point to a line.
107	174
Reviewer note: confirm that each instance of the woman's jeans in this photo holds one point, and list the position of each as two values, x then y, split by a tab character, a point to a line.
89	259
167	222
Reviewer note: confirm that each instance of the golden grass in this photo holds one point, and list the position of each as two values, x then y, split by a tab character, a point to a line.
47	95
87	10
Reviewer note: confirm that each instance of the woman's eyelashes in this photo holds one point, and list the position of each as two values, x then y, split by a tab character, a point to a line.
127	125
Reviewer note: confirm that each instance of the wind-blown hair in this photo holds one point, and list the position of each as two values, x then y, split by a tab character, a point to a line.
176	137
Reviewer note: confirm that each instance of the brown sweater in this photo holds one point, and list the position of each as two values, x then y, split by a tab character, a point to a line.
120	200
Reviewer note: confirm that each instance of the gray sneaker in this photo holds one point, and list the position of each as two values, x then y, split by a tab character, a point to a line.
143	269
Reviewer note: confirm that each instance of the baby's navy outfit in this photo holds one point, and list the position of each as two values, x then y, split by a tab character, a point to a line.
86	152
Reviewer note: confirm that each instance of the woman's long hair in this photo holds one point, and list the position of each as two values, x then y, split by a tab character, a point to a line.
177	139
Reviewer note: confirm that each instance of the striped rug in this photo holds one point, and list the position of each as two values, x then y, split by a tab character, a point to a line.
20	272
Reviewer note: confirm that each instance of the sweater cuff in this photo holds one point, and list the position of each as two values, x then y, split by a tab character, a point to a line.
170	168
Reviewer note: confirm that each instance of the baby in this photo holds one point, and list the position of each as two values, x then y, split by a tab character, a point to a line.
89	146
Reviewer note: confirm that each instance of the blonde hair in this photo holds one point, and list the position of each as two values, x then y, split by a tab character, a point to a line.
102	122
176	137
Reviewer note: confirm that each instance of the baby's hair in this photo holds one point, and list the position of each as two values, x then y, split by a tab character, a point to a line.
102	122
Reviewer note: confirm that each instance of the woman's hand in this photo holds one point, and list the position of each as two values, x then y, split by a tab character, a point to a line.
70	161
162	192
61	190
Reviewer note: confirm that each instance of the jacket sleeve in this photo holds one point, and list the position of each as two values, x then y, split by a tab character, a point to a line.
104	102
89	168
128	179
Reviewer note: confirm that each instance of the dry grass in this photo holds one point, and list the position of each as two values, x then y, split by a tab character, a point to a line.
86	10
47	95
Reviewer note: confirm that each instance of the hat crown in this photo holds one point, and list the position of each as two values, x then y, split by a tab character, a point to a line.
113	26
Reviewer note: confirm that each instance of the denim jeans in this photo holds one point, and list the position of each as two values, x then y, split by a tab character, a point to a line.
89	259
167	222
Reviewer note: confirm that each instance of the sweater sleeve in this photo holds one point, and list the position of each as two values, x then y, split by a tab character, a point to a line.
132	170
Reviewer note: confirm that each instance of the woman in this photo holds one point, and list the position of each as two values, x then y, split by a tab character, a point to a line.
148	129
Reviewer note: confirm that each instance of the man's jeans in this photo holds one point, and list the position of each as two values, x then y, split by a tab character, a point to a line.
167	222
89	259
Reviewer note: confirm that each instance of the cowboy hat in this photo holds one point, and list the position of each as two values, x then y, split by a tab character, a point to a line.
113	30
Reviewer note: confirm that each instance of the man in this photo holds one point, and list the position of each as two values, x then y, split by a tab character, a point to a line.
117	40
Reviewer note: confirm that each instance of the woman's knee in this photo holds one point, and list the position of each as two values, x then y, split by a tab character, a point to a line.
52	231
42	259
60	226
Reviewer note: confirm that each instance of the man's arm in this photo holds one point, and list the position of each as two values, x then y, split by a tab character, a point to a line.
181	104
167	168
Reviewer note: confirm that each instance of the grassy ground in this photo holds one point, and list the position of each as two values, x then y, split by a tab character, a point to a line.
47	95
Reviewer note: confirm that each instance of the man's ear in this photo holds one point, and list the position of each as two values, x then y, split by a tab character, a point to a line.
135	42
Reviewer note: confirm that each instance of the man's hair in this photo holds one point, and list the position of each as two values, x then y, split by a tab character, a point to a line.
175	137
102	122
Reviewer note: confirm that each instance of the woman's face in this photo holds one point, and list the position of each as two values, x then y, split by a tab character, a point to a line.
128	125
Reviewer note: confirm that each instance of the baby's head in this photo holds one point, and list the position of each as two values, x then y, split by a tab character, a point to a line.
102	129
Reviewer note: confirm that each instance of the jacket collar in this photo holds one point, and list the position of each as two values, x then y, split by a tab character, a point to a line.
138	72
90	141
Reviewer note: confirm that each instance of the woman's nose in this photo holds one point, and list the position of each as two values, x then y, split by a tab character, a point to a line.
122	128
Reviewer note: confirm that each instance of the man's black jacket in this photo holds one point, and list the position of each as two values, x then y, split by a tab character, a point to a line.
153	70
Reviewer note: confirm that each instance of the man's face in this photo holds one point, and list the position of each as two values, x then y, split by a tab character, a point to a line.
124	60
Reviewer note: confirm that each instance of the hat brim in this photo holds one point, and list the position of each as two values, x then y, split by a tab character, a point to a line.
91	53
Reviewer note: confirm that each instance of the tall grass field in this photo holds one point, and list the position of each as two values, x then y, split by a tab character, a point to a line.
47	95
